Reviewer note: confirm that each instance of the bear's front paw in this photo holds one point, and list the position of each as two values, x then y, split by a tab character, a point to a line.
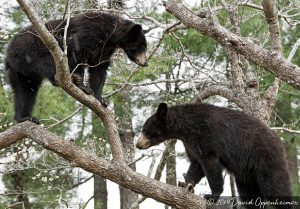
102	101
32	119
211	198
188	186
86	89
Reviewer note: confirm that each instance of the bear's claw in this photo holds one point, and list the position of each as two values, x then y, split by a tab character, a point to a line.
188	186
211	198
32	119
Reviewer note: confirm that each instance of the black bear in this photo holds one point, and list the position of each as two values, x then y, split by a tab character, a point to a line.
92	38
217	138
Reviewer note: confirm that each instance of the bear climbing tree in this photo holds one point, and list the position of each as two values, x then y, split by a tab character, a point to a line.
217	138
92	38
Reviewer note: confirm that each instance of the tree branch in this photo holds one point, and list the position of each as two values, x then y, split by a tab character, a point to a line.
223	92
286	130
116	172
271	14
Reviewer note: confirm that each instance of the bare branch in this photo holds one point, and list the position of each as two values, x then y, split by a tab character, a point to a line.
68	11
294	49
223	92
65	119
286	130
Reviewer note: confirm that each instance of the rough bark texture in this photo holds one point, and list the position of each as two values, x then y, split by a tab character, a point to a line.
171	177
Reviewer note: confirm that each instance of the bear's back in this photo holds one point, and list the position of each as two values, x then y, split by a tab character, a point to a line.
240	139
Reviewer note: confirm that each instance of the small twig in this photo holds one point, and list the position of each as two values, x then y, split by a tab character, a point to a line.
66	28
136	160
87	202
286	130
63	18
82	182
294	49
153	161
65	119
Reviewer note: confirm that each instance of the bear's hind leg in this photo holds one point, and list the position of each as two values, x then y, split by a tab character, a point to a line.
249	195
96	82
25	90
194	174
213	172
276	187
78	81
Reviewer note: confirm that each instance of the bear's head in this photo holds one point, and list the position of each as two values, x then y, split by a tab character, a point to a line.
154	129
135	45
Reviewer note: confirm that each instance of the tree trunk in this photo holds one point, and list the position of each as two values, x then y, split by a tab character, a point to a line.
171	177
292	158
123	111
232	187
18	181
100	185
100	192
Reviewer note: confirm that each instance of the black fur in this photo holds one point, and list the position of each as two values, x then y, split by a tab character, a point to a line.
92	39
217	138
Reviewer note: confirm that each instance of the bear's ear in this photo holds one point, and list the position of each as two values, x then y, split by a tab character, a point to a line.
134	30
146	31
162	111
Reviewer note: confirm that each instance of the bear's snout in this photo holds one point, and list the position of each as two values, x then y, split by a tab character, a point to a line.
141	59
143	142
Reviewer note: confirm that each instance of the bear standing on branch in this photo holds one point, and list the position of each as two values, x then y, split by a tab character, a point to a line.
216	138
92	38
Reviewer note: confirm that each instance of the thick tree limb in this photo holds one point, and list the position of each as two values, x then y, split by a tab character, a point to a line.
223	92
116	172
270	60
234	57
271	14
